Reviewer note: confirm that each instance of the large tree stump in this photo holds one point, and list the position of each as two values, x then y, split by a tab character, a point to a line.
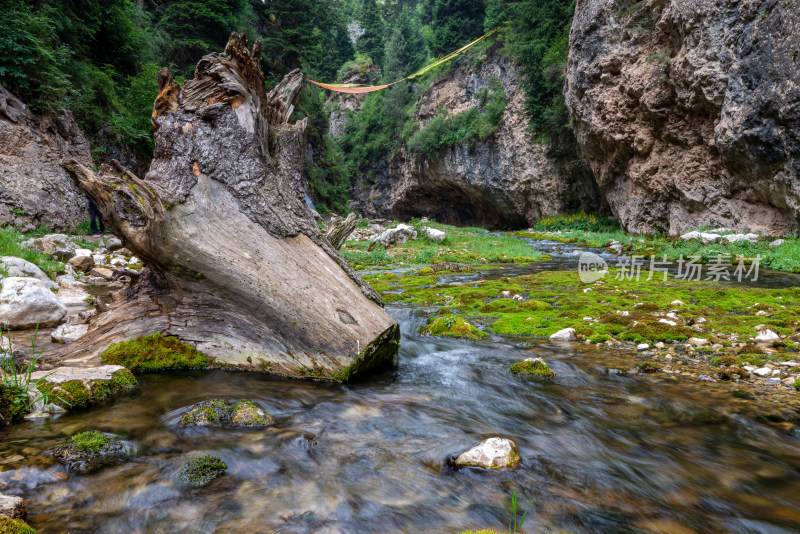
234	263
340	229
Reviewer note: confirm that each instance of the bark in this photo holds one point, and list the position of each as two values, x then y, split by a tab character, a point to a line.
340	229
234	263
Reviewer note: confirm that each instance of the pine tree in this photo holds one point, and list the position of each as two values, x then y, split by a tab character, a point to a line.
454	23
371	42
405	51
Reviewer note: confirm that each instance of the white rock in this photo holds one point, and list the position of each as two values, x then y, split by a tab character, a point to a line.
676	303
623	313
398	235
707	238
735	238
660	345
777	243
492	453
776	372
50	243
642	346
763	371
23	268
788	381
73	296
588	319
586	290
26	302
433	234
789	364
67	333
506	294
690	235
567	334
518	297
113	243
66	280
83	252
698	341
700	320
767	335
119	261
672	315
99	259
13	507
667	321
750	368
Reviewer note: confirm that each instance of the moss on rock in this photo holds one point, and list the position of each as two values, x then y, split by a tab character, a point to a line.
532	367
155	353
649	367
80	393
202	471
14	526
453	326
11	410
89	450
219	412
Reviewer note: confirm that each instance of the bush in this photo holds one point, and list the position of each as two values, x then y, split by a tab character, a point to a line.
578	221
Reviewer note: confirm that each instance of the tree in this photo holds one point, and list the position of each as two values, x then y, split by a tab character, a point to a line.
454	23
405	51
371	41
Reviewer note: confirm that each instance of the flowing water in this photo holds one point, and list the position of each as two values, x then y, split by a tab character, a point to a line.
603	451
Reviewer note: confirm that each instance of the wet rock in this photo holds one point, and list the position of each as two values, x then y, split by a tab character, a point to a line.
28	302
492	453
82	263
102	272
76	387
532	367
25	269
13	507
567	334
67	333
202	471
221	412
733	372
433	234
89	450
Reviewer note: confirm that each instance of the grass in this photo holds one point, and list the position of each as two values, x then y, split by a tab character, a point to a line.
155	353
90	441
554	300
10	240
470	246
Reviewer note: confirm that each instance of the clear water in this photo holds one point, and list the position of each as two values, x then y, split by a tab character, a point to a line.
602	452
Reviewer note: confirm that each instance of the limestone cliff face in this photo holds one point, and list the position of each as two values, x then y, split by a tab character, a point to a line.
689	112
505	181
34	189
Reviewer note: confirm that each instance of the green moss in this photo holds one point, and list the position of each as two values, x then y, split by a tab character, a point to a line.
649	367
725	361
155	353
752	359
14	526
202	471
797	385
453	326
599	338
11	408
73	393
246	413
90	441
207	413
532	367
743	394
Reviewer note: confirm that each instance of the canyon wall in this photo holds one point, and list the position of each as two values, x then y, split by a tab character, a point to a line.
689	112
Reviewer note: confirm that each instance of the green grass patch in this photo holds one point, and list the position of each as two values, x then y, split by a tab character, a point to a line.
10	240
90	441
470	246
155	353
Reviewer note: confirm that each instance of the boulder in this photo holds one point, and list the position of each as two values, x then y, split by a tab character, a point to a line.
51	243
13	507
67	333
492	453
767	335
113	243
27	302
82	263
691	235
78	387
394	236
102	272
433	234
777	243
707	238
88	451
567	334
735	238
23	268
221	412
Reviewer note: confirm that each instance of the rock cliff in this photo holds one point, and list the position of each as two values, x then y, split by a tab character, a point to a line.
34	188
689	112
504	182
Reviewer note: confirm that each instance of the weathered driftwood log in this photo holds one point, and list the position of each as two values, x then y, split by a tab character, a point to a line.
234	263
340	229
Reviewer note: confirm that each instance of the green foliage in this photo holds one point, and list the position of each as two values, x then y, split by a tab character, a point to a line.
471	126
405	51
202	471
453	23
10	240
155	353
579	221
371	42
536	367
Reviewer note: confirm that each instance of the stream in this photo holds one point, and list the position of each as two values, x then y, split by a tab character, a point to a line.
603	450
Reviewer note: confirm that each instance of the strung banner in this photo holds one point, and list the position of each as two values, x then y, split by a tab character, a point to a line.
359	89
